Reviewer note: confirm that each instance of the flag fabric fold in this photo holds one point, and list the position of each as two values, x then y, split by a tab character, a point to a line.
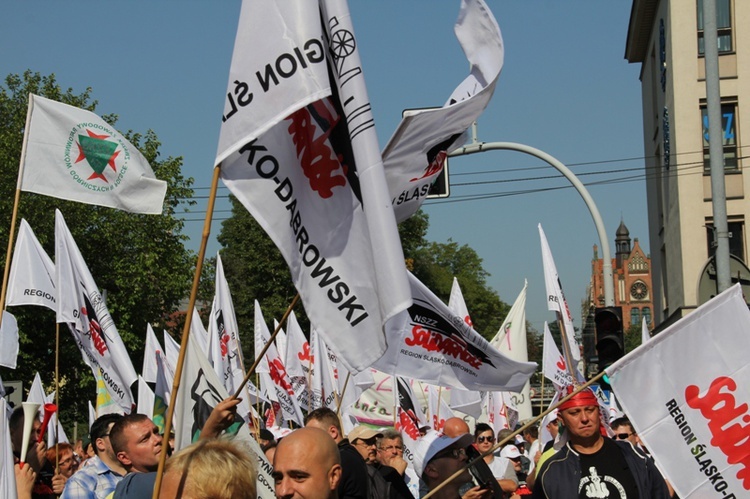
32	273
301	155
73	154
415	155
7	474
428	342
556	301
510	340
81	306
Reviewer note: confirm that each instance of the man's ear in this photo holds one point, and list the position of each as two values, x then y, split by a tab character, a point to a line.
334	432
334	476
122	456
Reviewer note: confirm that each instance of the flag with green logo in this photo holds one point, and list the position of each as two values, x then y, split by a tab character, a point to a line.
73	154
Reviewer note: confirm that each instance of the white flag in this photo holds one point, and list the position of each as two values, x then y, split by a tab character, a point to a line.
554	367
457	304
73	154
92	414
82	307
467	401
307	166
416	153
439	409
145	398
693	414
149	357
429	343
200	391
324	373
8	340
277	373
645	334
172	350
36	393
501	411
7	474
510	340
32	273
298	362
224	345
556	300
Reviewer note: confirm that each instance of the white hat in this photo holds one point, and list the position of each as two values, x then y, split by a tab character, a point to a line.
510	452
432	443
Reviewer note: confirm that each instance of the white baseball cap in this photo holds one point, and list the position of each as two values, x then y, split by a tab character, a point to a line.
510	452
432	443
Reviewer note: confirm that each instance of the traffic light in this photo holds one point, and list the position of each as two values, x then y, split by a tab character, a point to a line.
610	342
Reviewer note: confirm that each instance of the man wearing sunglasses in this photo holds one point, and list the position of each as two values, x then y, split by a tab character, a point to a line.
623	430
591	465
438	457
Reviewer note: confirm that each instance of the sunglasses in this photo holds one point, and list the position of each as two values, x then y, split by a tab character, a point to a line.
482	440
623	436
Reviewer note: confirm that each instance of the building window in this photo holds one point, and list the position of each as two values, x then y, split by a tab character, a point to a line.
729	136
723	26
635	316
647	314
736	239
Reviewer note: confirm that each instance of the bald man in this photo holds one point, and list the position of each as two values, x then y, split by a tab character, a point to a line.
455	427
307	465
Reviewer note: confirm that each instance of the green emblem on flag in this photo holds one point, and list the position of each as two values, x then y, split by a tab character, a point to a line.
97	152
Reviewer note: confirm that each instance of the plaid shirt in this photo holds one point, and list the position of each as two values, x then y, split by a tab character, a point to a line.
93	481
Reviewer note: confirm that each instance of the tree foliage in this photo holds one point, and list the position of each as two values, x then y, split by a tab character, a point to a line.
139	261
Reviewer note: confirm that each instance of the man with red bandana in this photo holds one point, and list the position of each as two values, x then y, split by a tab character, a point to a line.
591	465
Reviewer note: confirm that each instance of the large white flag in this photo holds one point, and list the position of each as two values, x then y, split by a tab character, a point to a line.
693	414
224	344
298	362
82	307
556	301
428	342
510	340
73	154
301	154
416	153
32	273
7	474
554	367
282	386
149	356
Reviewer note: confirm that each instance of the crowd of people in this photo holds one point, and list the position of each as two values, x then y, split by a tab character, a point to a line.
120	458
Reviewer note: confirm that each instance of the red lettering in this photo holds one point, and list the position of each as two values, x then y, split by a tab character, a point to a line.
305	354
316	157
434	167
96	337
720	408
279	376
561	364
436	342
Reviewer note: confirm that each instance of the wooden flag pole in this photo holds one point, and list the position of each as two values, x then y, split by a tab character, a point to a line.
513	435
57	395
265	347
343	391
14	216
186	329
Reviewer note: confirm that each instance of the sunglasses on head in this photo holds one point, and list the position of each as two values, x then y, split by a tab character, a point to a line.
482	440
623	436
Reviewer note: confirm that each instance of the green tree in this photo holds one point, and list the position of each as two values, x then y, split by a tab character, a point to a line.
139	261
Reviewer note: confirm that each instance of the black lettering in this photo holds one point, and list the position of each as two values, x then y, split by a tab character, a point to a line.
338	292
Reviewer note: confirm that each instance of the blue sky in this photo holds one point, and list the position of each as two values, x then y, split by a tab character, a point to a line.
565	89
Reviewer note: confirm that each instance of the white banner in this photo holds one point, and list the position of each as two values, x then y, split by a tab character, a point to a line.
510	340
315	180
73	154
225	351
429	343
693	413
82	307
556	300
9	340
554	367
416	153
32	273
149	355
298	362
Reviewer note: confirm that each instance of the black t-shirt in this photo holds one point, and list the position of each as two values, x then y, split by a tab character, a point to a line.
605	473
